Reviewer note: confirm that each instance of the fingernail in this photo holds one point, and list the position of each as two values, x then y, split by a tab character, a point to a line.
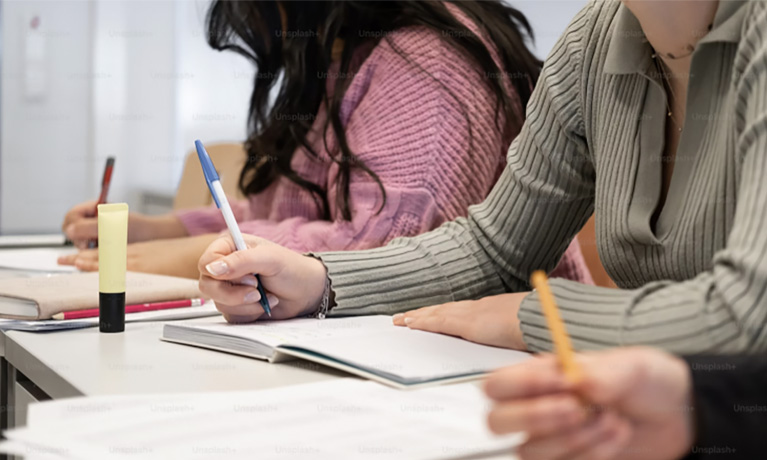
397	317
217	268
272	300
408	320
249	281
252	297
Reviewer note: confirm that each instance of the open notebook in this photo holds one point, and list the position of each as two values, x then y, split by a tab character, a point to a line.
367	346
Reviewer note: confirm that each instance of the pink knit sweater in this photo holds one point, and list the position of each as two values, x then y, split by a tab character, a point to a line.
412	130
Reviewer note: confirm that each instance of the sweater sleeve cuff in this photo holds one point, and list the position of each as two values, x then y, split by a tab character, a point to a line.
592	315
409	273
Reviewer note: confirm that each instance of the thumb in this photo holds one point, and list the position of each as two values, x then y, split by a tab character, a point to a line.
609	377
261	260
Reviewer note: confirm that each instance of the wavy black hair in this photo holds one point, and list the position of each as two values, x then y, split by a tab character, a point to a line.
291	44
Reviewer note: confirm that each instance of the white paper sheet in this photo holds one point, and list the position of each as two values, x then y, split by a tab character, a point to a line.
36	259
335	419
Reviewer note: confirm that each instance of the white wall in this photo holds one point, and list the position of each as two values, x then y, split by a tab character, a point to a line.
548	19
44	147
135	80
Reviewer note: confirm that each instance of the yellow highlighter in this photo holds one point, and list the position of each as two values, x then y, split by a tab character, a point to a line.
562	343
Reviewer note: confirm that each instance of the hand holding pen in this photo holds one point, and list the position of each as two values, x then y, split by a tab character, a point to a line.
219	197
294	280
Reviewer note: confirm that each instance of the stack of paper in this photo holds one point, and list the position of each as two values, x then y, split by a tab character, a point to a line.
336	419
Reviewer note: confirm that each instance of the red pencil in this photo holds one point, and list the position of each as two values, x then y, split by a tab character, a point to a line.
106	181
138	308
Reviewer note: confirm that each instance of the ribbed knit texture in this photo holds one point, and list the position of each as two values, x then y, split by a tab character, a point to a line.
696	283
406	114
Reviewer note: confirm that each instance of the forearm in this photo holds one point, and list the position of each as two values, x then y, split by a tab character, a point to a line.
730	398
146	228
200	221
704	314
433	268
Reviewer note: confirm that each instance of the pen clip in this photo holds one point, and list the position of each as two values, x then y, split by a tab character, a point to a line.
208	170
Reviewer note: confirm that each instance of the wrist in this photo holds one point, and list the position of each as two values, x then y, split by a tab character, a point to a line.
321	294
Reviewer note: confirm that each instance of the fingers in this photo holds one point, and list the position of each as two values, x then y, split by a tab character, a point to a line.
537	377
239	319
402	319
82	231
539	417
574	444
612	446
219	248
239	303
439	323
609	376
87	261
227	293
264	260
68	259
447	319
86	209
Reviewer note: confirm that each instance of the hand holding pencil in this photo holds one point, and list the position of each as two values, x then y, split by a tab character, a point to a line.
627	404
80	225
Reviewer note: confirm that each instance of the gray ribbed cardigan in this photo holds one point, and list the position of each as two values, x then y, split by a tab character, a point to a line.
593	141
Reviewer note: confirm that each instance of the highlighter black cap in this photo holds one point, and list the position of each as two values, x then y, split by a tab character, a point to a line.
112	312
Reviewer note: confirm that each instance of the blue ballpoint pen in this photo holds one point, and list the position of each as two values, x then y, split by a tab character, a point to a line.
214	184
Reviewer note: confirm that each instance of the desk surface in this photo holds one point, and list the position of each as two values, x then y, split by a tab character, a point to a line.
87	362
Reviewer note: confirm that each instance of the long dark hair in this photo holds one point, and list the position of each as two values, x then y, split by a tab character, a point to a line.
296	55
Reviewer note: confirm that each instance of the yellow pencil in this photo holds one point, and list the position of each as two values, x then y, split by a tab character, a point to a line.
562	343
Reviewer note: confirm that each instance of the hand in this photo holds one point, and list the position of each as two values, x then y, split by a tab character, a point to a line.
81	226
174	256
642	398
293	281
489	321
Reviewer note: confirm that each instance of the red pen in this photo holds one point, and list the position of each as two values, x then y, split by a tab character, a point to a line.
138	308
106	180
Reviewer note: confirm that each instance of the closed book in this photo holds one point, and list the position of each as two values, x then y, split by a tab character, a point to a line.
42	297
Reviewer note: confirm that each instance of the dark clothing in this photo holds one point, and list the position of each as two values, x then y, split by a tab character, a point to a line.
730	399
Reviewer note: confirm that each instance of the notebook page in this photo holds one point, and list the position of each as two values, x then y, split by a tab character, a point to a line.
414	356
327	420
303	330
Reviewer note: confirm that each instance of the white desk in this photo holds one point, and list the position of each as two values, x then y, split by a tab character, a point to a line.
87	362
